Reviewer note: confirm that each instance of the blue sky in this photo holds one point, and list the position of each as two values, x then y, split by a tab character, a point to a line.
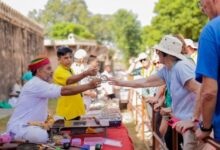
143	8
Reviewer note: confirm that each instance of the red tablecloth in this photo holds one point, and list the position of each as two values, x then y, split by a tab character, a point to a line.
115	133
121	134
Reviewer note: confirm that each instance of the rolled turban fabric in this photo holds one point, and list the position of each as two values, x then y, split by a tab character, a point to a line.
37	63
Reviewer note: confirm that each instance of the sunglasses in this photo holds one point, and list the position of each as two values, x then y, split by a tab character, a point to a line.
143	60
155	63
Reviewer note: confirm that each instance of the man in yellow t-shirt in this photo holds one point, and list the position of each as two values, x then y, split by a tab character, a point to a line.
69	107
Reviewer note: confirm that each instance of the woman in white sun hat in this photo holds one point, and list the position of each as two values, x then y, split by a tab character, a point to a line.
178	75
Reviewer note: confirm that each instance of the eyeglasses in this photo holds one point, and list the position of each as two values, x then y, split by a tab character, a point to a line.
142	60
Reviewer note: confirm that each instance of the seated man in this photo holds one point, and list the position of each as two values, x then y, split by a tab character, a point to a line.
33	101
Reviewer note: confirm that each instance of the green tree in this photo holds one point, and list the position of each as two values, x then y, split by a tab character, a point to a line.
63	29
178	16
126	31
100	26
61	10
75	11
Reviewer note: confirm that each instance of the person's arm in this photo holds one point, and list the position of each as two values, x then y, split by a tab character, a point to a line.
159	103
75	78
208	97
151	81
205	104
159	93
72	90
194	86
90	93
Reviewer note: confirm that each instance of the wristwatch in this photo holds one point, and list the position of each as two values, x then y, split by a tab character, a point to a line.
202	128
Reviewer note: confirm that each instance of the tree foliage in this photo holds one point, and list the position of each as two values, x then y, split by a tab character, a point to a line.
100	26
62	17
176	17
126	32
67	15
63	29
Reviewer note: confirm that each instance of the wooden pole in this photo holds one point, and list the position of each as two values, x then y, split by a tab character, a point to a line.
143	118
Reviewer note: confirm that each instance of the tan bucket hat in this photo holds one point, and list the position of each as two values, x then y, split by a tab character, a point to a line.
171	46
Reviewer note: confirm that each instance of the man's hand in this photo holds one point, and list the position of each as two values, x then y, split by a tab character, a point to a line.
43	125
157	106
200	135
91	72
95	83
166	111
93	94
151	100
183	126
113	81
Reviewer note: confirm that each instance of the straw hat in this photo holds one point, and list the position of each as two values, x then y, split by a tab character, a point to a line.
171	46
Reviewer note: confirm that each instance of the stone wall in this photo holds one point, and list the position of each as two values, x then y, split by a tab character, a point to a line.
20	40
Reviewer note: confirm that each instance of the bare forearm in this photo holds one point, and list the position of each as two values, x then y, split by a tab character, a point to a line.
198	102
194	86
209	90
143	83
72	90
134	83
208	108
75	78
160	91
197	108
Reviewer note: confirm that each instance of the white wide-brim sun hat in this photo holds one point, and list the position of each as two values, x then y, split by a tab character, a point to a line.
171	46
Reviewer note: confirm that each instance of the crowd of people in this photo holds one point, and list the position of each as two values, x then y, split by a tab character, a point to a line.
187	95
181	80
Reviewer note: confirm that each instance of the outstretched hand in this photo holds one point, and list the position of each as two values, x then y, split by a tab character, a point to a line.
166	111
91	71
114	81
95	83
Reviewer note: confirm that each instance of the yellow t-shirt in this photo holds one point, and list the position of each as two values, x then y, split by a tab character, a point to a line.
67	106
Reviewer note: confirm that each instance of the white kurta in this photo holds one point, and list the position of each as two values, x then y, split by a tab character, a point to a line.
32	106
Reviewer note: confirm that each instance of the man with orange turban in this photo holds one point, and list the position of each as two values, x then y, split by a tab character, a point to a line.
33	101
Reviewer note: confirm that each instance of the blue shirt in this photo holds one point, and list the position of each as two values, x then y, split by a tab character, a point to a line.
208	63
183	100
